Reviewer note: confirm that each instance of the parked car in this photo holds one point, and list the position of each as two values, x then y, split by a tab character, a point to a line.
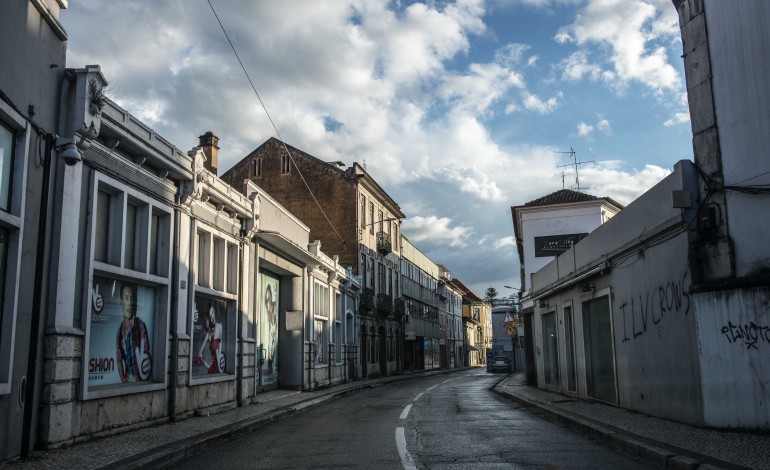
499	364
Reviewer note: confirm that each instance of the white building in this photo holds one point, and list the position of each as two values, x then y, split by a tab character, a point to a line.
663	310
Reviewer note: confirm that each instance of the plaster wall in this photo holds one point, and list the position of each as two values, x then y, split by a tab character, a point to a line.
733	328
553	220
738	41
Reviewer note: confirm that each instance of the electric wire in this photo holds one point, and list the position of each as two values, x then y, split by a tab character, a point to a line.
275	128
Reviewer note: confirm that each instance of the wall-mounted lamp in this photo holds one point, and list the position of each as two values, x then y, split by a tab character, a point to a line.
68	150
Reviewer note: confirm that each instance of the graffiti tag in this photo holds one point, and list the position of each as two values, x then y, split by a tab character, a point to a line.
652	306
749	334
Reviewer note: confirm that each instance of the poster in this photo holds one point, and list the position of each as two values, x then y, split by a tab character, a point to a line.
268	328
210	349
121	332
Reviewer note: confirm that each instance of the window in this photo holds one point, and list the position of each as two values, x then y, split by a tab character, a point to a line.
372	346
214	309
363	211
338	328
321	311
285	164
395	237
15	136
371	217
379	213
550	350
256	167
129	294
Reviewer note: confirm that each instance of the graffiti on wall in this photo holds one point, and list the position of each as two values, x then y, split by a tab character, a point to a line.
747	334
649	308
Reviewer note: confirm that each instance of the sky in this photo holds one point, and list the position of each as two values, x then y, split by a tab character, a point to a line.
458	109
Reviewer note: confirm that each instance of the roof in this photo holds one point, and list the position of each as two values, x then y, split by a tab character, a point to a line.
568	196
466	290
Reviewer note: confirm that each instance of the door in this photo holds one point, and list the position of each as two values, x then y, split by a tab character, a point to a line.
600	357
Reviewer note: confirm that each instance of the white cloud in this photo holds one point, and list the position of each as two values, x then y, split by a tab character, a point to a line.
435	229
584	130
473	181
604	126
677	118
535	103
629	31
607	179
505	242
576	66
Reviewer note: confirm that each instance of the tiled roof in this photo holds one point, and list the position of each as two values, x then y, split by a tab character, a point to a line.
563	196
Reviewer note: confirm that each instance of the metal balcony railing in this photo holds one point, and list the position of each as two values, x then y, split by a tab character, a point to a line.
385	303
384	244
368	299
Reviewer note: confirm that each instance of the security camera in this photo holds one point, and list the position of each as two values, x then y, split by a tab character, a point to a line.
68	150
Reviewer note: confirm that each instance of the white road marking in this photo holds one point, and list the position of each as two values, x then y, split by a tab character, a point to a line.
406	459
405	413
418	396
431	388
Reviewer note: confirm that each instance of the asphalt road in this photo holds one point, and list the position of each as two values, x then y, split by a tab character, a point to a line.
448	421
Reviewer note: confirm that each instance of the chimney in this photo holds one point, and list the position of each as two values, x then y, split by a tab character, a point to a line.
210	145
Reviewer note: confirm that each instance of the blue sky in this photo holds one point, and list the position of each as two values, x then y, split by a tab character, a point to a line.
458	109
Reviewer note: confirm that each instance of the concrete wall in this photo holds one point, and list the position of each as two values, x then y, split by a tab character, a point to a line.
738	41
653	314
733	328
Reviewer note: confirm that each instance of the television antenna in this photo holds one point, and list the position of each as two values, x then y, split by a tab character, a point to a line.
574	162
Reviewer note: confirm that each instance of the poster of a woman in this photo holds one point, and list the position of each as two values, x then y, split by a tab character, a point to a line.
209	337
268	329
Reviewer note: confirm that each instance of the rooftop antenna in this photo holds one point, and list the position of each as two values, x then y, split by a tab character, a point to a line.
575	162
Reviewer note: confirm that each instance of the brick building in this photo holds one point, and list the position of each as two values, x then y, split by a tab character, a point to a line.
353	217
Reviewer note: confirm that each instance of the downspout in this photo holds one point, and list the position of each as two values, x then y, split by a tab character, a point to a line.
34	331
175	307
239	326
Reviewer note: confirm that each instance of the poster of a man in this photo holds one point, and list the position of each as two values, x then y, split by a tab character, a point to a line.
120	332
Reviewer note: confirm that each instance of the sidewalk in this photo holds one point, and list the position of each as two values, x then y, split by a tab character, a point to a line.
669	443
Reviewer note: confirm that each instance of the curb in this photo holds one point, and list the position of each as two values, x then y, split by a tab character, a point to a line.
168	454
626	441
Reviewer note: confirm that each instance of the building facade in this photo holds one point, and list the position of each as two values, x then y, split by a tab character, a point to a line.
425	327
353	217
546	227
663	309
33	46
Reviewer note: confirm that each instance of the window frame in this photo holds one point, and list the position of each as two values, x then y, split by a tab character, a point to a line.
140	275
13	221
321	315
218	278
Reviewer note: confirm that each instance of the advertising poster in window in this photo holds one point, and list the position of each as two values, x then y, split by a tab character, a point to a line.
120	334
268	328
210	348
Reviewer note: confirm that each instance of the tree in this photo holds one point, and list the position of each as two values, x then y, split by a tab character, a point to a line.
490	294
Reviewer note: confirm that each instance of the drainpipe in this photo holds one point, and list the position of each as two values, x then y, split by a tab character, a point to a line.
175	306
37	309
239	326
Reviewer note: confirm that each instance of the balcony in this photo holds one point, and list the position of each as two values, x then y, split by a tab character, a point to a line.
400	308
368	298
385	304
384	244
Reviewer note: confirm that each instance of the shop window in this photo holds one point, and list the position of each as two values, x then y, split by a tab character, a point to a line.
372	346
14	134
267	335
129	300
338	328
569	343
214	309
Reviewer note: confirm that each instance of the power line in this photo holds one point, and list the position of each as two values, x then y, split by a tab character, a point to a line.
275	128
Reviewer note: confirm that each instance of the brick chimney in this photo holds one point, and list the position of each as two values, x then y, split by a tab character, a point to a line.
210	145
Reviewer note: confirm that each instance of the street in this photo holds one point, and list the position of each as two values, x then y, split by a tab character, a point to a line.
444	421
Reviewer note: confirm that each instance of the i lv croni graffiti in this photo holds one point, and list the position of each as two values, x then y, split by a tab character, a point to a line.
748	334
